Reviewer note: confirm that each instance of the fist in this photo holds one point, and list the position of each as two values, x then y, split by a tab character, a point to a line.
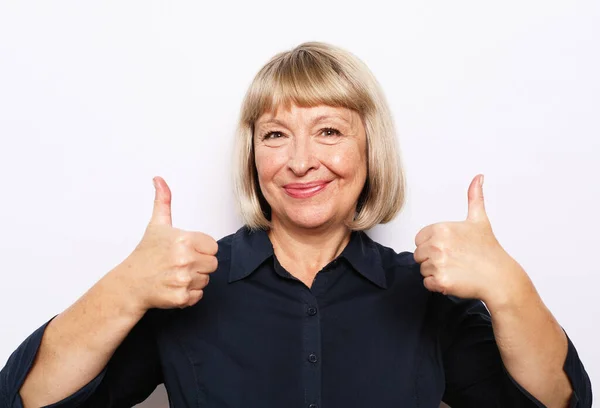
465	259
170	267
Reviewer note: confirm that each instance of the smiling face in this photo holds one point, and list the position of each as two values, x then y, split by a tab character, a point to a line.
311	164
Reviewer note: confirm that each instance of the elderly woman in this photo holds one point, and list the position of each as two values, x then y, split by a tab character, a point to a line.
303	309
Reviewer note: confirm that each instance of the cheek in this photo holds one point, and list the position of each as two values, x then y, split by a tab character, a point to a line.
268	162
349	163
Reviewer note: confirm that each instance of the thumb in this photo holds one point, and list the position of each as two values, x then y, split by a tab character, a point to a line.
475	198
161	214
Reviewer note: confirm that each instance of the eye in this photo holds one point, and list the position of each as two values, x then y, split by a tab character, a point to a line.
331	132
271	135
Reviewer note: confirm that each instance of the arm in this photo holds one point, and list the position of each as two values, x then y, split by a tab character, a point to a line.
475	373
464	259
168	269
532	344
77	344
131	374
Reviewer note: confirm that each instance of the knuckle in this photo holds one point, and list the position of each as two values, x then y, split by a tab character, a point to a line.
442	259
182	298
213	263
436	251
213	247
207	243
184	238
444	282
183	278
441	248
181	260
195	297
201	281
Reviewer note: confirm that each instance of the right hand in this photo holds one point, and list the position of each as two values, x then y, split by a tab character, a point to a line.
170	267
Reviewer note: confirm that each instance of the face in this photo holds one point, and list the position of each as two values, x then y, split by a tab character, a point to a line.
311	164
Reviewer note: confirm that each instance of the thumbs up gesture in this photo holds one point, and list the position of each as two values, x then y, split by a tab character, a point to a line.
169	267
465	259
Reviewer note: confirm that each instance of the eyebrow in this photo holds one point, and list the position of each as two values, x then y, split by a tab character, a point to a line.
316	120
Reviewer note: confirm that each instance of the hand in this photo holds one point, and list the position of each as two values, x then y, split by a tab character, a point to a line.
169	267
465	259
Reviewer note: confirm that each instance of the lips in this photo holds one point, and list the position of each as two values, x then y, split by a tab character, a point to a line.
305	190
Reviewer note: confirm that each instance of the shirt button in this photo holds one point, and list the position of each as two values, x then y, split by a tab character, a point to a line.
311	311
312	357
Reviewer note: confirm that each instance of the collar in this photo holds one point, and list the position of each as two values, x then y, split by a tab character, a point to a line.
250	248
362	253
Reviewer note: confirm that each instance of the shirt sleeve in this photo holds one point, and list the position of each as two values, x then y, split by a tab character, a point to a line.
130	376
475	373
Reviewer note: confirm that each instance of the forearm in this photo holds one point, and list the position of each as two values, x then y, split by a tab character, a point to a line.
80	341
532	344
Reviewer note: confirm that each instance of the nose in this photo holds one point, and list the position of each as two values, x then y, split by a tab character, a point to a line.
302	157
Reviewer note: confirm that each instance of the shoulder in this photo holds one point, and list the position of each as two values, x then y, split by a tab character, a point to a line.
392	259
394	262
225	244
244	240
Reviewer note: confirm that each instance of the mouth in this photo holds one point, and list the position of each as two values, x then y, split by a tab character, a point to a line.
305	190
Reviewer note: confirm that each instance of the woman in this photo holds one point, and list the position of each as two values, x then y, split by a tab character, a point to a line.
303	309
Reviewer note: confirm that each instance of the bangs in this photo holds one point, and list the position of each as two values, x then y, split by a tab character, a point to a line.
306	79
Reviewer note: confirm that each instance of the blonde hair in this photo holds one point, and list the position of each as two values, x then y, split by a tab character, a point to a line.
315	73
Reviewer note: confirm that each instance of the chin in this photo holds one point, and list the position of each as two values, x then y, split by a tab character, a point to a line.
309	224
311	219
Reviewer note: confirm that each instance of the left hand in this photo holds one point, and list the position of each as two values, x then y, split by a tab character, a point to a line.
464	258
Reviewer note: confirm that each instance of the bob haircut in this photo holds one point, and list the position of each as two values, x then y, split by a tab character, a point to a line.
311	74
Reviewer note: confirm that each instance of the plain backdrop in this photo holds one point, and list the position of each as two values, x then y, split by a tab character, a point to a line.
98	98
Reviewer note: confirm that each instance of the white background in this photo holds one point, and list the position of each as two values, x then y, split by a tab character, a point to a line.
96	99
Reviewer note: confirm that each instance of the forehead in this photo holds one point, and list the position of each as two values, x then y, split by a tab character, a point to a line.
309	114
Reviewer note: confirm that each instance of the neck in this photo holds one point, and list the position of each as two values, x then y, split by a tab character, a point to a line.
304	252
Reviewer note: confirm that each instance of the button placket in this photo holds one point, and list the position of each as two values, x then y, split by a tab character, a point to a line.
311	342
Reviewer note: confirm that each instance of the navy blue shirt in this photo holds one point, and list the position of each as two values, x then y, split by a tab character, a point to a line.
365	334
